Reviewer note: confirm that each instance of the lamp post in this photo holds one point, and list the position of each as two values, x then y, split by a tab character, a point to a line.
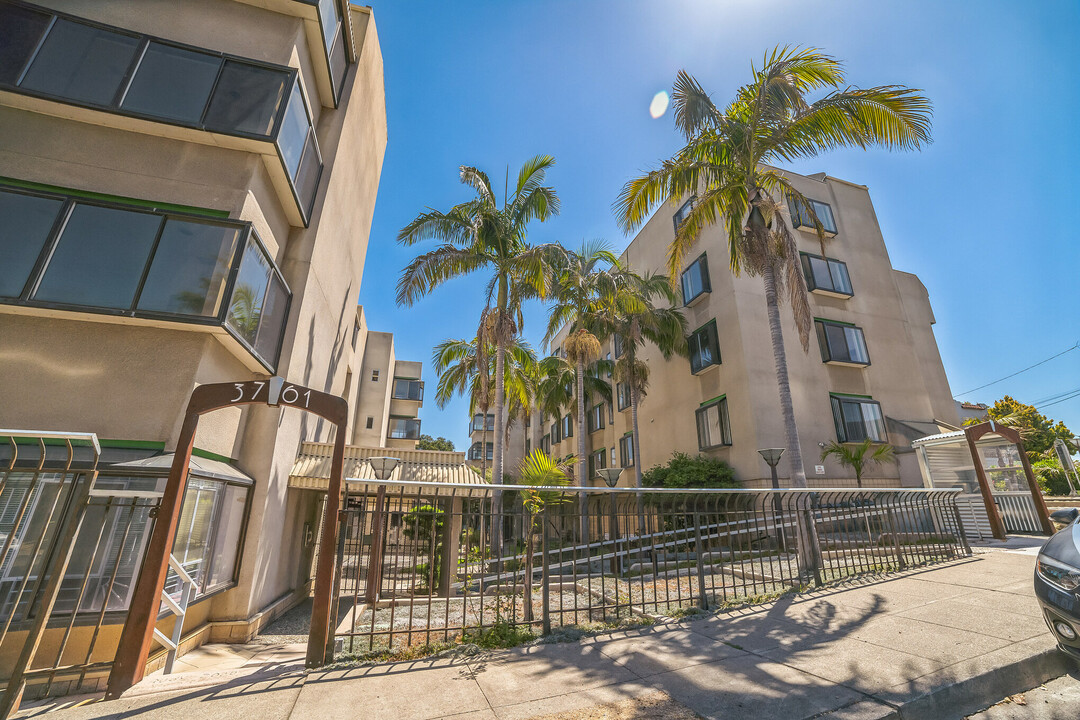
610	477
383	468
772	456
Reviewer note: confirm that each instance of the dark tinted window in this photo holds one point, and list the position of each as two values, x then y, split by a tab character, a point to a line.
25	222
294	131
338	65
246	307
272	321
695	280
247	99
190	268
172	83
80	62
99	258
308	175
20	31
704	348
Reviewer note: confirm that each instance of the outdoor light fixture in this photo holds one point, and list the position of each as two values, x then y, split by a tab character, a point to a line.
610	476
383	467
771	456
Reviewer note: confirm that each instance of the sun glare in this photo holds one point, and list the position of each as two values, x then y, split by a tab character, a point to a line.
659	104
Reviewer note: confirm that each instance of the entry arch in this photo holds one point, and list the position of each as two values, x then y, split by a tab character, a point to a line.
137	635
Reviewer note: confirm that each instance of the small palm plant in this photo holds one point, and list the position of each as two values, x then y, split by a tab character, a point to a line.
857	455
539	470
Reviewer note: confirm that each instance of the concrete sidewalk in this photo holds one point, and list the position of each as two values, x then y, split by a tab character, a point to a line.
934	643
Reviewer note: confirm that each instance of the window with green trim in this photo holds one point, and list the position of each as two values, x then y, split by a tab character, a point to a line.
713	426
857	419
841	343
704	348
826	274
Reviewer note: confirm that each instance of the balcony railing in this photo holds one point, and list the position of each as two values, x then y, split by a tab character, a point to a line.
67	252
59	57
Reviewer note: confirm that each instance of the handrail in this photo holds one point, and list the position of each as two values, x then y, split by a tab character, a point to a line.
188	589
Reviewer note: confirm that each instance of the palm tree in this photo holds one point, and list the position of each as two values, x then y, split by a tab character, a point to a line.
635	319
857	455
539	470
585	283
726	164
458	364
482	235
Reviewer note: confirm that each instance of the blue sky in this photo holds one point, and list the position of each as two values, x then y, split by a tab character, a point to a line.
983	216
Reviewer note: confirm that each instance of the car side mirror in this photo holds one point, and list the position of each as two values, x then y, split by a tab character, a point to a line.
1064	517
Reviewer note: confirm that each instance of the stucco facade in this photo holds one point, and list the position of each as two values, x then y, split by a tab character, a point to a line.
126	376
904	374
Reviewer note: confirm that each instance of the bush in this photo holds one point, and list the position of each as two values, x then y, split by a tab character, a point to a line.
684	471
1050	476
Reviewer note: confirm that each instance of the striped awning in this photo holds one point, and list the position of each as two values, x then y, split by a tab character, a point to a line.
311	470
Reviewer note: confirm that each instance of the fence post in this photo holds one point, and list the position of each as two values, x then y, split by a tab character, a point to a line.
959	524
703	600
545	580
900	564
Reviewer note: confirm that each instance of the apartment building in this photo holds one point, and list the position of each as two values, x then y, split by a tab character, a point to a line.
186	191
873	368
389	396
522	437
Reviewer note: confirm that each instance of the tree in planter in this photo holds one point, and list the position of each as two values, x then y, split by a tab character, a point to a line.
539	469
728	165
857	455
424	526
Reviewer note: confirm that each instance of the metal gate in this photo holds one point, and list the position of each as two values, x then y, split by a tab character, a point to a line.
71	547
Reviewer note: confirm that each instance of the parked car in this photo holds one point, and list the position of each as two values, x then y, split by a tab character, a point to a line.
1057	581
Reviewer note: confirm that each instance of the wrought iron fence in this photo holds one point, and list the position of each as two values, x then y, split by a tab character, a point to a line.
416	564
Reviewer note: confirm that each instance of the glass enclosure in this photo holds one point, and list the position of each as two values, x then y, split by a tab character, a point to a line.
106	68
77	254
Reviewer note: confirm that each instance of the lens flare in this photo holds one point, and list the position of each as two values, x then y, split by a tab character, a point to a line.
659	104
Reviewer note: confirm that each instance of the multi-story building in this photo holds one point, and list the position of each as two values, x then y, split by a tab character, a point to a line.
186	191
389	395
873	368
521	439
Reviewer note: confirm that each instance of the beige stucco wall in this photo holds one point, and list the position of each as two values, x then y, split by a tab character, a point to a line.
905	375
81	372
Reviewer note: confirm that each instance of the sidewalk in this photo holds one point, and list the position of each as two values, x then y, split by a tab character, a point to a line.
932	643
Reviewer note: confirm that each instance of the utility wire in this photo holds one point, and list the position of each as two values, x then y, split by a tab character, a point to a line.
1068	397
1029	367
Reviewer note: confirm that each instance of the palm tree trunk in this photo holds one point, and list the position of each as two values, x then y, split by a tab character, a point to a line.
583	466
497	465
794	450
637	454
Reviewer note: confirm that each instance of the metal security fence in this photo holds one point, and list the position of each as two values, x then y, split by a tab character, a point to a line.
416	564
71	546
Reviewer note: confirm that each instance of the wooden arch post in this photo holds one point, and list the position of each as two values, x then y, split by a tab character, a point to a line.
135	640
973	434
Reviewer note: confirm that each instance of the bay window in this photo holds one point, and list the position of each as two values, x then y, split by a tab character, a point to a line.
713	426
73	253
695	280
857	419
802	215
626	451
841	343
704	348
408	389
404	429
826	276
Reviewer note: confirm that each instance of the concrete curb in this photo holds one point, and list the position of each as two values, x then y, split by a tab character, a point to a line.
968	696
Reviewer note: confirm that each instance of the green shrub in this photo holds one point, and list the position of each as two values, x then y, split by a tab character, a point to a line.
1050	476
684	471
